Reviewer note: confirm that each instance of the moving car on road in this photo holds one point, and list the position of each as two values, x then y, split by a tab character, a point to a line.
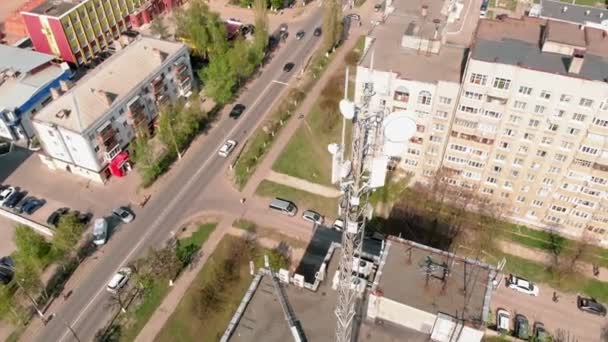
300	35
119	280
6	193
312	216
591	306
522	285
288	67
521	327
123	214
227	148
503	321
237	110
100	232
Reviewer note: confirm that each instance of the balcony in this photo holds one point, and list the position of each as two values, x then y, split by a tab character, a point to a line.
109	155
158	84
106	136
180	68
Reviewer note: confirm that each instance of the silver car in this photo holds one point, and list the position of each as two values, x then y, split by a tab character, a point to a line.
312	216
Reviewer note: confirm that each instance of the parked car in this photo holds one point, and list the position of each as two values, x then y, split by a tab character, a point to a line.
288	67
100	231
300	35
312	216
14	199
590	305
6	193
227	148
83	218
283	206
503	321
119	280
540	333
31	205
338	225
317	32
521	327
236	111
123	214
53	219
7	265
522	285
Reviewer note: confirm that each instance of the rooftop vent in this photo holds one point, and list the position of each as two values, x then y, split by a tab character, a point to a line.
564	9
64	113
587	12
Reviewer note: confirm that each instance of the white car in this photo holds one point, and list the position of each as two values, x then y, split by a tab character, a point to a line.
227	148
503	321
119	279
338	225
522	285
100	231
312	216
6	193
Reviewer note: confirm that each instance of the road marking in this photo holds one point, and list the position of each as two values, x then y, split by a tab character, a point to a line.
163	214
279	82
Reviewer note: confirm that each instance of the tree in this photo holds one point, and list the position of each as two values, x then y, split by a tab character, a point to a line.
203	29
143	156
163	262
158	28
67	235
30	245
220	80
276	4
9	308
260	40
332	23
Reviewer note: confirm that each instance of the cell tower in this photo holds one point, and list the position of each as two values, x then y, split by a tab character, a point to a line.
373	133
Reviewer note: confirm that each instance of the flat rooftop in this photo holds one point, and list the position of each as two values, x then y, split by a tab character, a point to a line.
516	42
56	8
263	319
435	280
115	77
572	13
407	19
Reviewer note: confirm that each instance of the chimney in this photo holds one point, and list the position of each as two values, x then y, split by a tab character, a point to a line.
424	10
55	93
564	9
576	64
103	95
158	55
65	85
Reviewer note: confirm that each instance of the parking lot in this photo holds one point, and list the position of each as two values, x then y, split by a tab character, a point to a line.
563	315
24	170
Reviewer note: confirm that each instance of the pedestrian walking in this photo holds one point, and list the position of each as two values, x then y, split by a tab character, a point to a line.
555	297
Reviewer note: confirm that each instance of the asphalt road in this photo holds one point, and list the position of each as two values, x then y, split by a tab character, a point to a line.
86	310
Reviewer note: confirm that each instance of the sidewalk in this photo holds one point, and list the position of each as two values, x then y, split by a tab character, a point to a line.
303	184
546	258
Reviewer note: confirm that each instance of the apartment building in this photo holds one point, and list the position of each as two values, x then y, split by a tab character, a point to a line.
531	124
87	129
418	69
27	79
77	30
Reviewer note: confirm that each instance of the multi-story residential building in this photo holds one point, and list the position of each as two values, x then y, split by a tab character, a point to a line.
531	125
27	79
77	30
86	130
418	70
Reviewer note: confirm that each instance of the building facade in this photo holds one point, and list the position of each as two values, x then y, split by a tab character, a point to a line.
27	80
526	124
87	129
76	31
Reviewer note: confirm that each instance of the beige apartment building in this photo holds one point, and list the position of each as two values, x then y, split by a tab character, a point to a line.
524	121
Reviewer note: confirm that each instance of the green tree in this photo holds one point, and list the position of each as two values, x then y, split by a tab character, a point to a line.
203	29
31	245
163	262
276	4
9	308
158	28
332	23
67	235
220	80
277	260
144	159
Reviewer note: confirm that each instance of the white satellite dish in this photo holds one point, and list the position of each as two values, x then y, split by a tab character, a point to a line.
399	127
333	148
347	108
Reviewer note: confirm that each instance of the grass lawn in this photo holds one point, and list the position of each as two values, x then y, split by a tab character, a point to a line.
304	200
184	325
541	274
200	235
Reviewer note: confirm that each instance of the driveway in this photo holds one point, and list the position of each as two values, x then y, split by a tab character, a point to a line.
561	315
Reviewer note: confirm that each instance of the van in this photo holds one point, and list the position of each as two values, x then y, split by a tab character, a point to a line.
284	206
100	231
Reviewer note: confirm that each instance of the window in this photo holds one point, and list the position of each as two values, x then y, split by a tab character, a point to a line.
541	153
504	145
558	208
538	109
579	117
519	105
510	132
514	173
518	161
553	127
458	148
566	145
413	151
501	83
585	102
441	114
573	131
520	199
508	184
525	90
492	114
439	127
559	113
537	203
514	119
565	98
528	136
600	122
560	157
402	96
424	98
500	157
533	123
475	164
604	105
555	170
487	191
588	150
435	139
445	100
546	141
478	79
473	95
468	109
497	169
545	95
491	180
548	181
